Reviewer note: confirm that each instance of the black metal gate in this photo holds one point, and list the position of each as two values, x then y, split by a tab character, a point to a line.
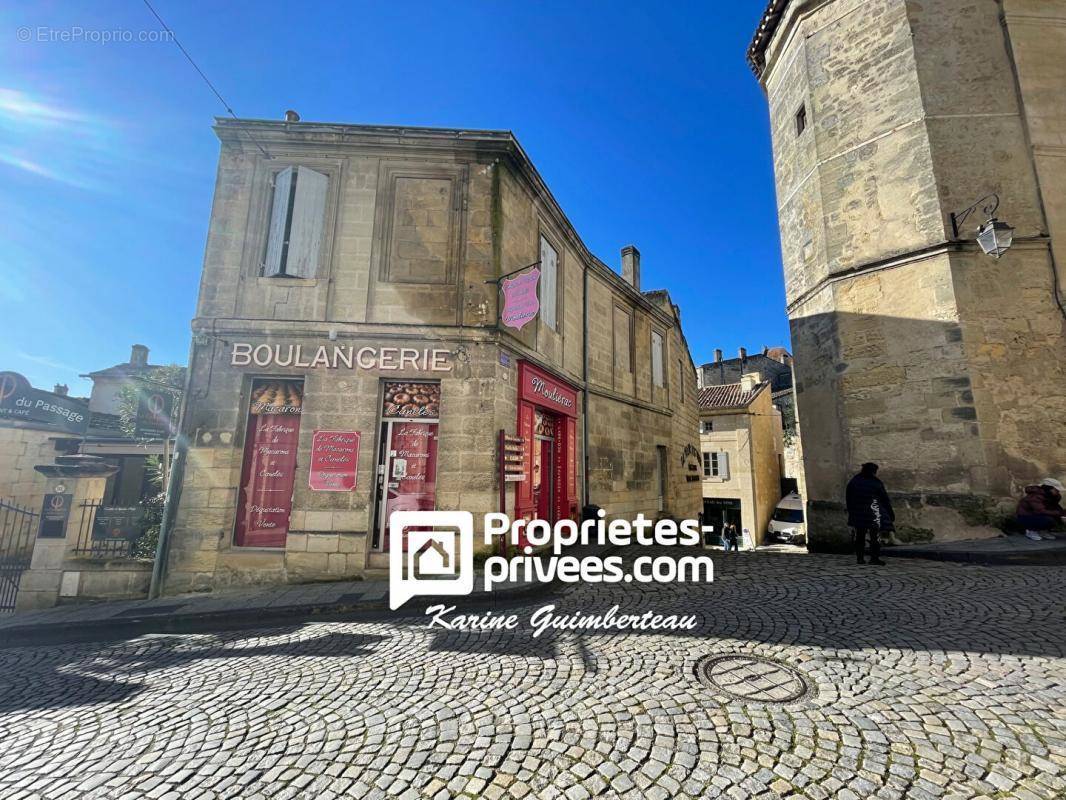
18	531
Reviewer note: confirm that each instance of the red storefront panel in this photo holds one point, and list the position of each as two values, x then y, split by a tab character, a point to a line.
542	393
269	469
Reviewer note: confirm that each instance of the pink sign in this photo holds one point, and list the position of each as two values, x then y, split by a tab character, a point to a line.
520	302
334	461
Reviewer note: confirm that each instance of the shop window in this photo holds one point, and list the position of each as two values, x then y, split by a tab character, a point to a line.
657	359
297	219
268	471
549	281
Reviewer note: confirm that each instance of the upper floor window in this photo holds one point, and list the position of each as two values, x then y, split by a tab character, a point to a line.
716	465
297	217
707	426
801	119
549	280
657	359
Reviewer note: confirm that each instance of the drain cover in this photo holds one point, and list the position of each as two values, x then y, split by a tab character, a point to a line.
756	679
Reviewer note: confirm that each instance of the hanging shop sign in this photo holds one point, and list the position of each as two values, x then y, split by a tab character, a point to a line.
269	468
520	301
20	401
539	387
339	356
411	400
155	412
334	461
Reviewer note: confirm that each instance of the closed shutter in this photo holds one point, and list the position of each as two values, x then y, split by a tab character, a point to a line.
656	358
308	218
723	466
549	267
274	264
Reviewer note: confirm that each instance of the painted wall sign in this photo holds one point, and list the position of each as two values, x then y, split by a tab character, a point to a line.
538	386
269	469
337	356
520	301
334	461
20	401
55	510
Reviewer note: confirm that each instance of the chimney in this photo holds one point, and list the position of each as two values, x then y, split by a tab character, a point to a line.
61	389
749	380
138	356
631	266
743	353
717	355
765	349
291	116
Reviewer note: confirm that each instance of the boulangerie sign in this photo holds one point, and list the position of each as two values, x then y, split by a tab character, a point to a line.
520	301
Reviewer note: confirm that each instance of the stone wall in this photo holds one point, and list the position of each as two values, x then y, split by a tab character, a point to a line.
911	350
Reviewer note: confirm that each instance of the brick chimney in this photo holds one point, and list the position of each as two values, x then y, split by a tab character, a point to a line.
138	356
61	389
631	266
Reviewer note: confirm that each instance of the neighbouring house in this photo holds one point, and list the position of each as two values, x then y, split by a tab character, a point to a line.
741	451
773	364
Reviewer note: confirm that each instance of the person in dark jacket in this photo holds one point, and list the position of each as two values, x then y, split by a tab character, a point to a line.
869	512
1040	508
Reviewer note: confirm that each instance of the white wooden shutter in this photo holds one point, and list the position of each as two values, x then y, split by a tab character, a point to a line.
723	466
308	220
549	267
279	213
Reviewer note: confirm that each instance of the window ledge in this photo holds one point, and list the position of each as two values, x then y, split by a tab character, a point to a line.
281	280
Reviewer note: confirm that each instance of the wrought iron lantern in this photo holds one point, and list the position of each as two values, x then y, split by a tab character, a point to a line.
995	236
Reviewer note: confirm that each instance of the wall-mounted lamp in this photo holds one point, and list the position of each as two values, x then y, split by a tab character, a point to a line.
994	237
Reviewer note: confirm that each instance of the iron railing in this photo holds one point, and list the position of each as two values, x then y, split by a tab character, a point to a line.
18	531
109	532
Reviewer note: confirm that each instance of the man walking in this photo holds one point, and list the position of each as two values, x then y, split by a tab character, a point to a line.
869	512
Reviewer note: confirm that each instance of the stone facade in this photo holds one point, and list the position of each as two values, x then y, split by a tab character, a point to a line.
418	224
914	349
748	433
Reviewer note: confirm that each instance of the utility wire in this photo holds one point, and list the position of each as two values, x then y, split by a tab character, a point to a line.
200	72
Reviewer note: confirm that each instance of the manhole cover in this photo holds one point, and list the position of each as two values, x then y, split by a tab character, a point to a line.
753	678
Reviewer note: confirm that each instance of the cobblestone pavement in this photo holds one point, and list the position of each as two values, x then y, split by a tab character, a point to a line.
809	677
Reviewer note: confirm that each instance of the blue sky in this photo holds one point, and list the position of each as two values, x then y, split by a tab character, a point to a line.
642	117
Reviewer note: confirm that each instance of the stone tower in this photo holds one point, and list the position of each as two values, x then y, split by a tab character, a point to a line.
912	347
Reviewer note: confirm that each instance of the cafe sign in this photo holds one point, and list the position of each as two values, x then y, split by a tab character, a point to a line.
338	356
20	401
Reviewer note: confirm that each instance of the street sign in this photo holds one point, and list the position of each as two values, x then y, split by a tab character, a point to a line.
155	410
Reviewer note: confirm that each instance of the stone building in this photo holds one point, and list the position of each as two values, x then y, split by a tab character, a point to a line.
774	365
741	450
913	348
352	357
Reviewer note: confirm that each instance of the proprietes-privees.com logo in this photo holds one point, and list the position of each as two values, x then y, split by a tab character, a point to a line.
437	560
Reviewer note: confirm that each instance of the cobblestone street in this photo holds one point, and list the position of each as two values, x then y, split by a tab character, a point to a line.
809	676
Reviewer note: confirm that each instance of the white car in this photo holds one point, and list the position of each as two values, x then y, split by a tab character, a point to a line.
788	523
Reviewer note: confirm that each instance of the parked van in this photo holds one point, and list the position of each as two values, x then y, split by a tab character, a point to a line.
788	523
